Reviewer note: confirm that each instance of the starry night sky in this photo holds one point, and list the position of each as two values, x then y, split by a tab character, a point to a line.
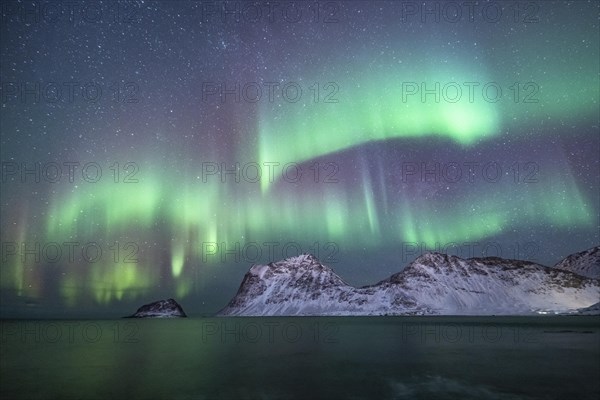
356	166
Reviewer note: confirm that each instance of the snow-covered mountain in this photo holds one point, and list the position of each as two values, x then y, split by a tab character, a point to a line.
586	263
160	309
432	284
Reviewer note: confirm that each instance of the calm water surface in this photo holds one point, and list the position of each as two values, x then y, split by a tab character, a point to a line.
303	358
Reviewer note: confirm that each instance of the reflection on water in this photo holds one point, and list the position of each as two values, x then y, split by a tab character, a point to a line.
303	358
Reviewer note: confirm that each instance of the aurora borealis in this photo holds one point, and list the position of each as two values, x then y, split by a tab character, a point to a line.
376	134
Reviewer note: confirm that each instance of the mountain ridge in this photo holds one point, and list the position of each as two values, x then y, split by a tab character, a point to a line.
586	263
434	283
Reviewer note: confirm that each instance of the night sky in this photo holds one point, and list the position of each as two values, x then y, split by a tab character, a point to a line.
157	149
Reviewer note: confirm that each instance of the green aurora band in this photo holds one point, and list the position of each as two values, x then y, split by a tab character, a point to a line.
211	213
460	103
164	205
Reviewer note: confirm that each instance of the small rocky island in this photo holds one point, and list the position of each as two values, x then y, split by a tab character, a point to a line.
160	309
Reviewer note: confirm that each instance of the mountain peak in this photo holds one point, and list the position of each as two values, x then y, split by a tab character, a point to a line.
440	260
283	283
433	256
288	265
302	259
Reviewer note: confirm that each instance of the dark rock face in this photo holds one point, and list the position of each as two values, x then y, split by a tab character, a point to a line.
160	309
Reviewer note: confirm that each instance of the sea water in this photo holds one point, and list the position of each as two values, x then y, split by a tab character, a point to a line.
302	358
